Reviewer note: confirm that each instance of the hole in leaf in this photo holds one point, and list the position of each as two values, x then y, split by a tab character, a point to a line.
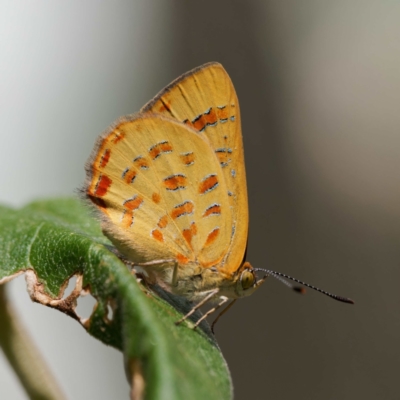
85	306
110	312
110	307
70	287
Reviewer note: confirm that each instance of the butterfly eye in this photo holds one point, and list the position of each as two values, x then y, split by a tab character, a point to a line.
247	279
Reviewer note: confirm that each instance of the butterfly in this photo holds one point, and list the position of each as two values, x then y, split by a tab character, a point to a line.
169	185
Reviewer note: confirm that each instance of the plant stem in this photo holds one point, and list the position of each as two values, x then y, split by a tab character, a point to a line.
24	357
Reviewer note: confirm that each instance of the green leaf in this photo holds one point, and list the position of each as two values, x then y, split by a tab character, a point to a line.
57	239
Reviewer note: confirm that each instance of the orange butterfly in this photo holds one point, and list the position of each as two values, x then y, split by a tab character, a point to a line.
170	187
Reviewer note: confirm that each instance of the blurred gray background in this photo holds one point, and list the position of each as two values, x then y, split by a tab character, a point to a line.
319	89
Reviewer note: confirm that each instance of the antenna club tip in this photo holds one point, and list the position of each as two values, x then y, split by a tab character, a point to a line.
344	299
299	289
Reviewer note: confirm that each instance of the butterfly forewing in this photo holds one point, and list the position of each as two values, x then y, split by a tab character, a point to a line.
160	187
205	100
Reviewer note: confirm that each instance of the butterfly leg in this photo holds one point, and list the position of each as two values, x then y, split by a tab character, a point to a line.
175	275
148	267
222	313
197	306
220	304
155	263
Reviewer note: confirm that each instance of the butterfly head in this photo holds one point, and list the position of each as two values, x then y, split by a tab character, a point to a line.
246	281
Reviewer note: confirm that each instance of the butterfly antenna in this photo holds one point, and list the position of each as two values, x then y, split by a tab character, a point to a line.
286	283
282	278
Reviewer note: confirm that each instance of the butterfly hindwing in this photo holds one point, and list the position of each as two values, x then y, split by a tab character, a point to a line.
161	190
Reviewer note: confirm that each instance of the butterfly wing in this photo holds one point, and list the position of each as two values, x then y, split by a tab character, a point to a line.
160	191
205	100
